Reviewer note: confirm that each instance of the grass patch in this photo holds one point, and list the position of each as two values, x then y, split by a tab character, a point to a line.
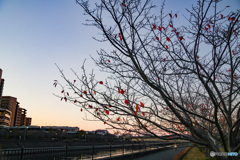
196	154
181	154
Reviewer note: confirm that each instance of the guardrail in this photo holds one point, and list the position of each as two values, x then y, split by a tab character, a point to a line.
87	152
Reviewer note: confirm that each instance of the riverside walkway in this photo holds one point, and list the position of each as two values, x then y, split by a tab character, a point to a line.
162	155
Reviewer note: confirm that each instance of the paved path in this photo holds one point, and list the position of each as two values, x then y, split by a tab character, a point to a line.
162	155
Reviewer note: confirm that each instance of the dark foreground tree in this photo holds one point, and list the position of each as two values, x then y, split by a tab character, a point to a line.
178	80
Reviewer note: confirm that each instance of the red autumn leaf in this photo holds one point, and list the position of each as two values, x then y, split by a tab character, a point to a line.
81	110
164	59
120	38
85	92
122	91
137	107
163	28
101	82
157	38
67	93
107	112
170	25
110	106
143	113
181	38
233	52
124	5
229	70
126	102
75	101
90	106
104	122
197	57
206	28
176	15
232	19
74	81
235	76
208	25
136	113
221	16
174	30
96	109
168	39
160	29
116	36
142	104
154	26
81	95
62	91
170	15
166	47
177	33
109	61
95	92
118	119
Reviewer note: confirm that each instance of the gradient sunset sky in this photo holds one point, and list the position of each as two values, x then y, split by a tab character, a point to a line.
36	34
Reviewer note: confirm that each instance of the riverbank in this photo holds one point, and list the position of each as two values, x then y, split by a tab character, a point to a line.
10	144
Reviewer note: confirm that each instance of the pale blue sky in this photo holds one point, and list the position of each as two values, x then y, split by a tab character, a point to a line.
36	34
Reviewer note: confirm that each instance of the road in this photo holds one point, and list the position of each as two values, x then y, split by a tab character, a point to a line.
162	155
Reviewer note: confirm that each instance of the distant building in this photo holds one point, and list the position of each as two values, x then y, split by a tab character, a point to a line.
10	103
28	121
101	132
20	117
59	128
18	114
1	86
90	132
23	116
10	106
5	117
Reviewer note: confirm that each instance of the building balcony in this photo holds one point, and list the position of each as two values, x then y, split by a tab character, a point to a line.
4	122
5	115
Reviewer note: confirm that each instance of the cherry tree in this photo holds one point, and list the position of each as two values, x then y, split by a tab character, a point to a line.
166	78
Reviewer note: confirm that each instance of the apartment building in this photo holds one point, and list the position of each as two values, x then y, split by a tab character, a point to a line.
5	117
10	103
10	112
1	85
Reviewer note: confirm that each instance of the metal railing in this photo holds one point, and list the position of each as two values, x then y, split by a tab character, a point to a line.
85	152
